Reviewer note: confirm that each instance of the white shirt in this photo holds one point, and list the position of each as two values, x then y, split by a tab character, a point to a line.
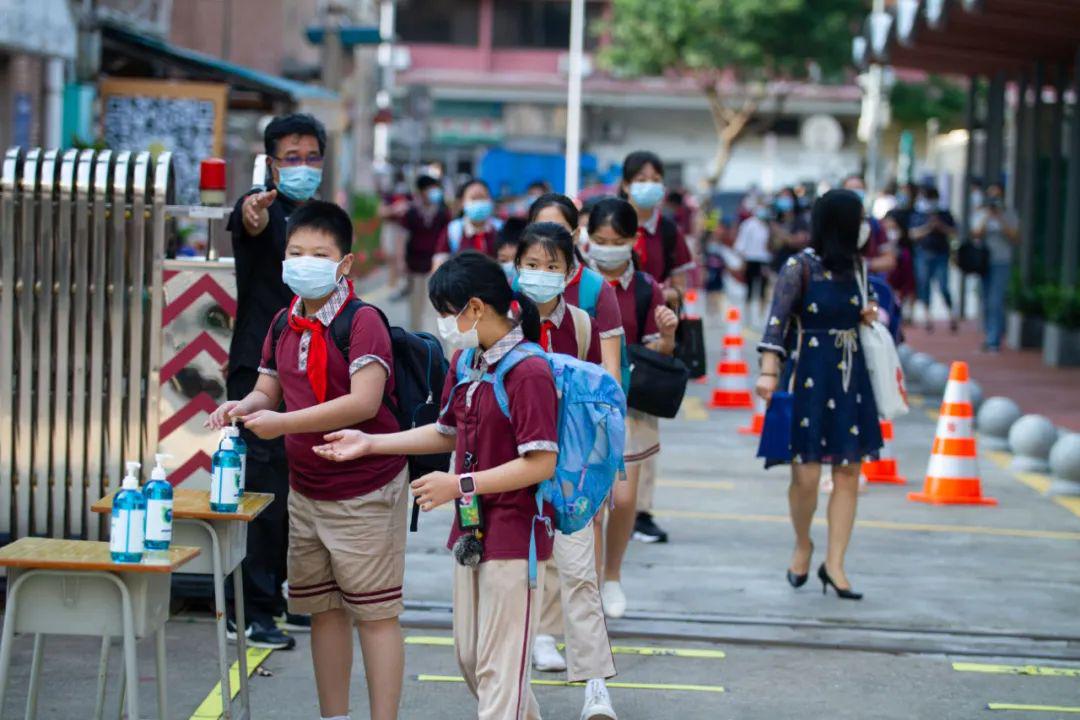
752	242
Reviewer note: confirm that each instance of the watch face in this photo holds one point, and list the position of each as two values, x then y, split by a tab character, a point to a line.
467	484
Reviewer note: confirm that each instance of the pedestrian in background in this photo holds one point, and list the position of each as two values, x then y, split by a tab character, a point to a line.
932	230
752	243
476	229
425	221
814	326
294	146
998	229
902	278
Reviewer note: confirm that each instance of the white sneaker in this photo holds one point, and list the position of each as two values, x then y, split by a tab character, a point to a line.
545	655
614	599
597	702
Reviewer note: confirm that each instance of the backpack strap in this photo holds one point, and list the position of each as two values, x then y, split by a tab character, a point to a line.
642	298
589	287
546	523
454	233
462	376
281	321
582	330
509	362
341	325
669	236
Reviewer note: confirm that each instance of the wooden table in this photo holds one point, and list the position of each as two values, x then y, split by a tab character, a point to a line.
73	587
224	538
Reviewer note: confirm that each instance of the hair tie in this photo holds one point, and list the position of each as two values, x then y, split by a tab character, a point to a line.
515	310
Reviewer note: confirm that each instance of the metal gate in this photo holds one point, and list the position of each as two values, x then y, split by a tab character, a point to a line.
82	246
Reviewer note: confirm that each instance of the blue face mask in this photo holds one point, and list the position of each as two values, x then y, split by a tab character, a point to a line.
541	286
434	195
479	211
510	270
785	204
646	195
310	277
299	183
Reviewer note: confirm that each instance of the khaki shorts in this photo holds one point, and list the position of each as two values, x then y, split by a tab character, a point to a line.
642	437
349	553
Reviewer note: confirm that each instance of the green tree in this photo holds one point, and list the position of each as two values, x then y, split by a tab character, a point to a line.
743	54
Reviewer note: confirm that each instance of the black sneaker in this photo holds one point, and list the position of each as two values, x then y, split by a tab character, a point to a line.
264	636
647	531
296	623
230	630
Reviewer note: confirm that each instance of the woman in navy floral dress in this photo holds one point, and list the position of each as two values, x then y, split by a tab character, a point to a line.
835	419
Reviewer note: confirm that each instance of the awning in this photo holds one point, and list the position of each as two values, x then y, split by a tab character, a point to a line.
207	67
966	37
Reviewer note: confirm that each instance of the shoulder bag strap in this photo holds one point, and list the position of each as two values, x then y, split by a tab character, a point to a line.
582	330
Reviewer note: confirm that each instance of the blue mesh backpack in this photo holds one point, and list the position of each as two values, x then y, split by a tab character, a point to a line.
591	432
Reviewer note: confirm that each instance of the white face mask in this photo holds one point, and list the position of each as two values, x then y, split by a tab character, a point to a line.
448	330
610	257
541	286
310	277
864	234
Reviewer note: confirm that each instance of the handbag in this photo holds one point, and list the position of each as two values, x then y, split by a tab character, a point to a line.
690	346
775	443
973	258
882	361
657	382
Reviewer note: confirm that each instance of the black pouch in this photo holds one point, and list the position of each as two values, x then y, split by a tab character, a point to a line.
657	382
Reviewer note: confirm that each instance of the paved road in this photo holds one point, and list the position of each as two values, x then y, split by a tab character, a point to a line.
986	586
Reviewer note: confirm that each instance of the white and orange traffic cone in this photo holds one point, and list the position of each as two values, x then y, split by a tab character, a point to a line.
692	307
732	391
952	477
757	420
884	469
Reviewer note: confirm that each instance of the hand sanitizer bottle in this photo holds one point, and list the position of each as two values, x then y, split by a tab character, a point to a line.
225	478
159	507
128	519
241	449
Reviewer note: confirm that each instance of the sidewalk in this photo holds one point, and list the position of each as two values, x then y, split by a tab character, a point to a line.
992	587
1020	375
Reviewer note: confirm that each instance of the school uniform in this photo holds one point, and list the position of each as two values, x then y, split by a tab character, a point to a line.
483	239
606	315
571	585
650	248
642	430
495	611
347	521
425	225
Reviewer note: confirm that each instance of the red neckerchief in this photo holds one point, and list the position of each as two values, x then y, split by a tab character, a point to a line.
545	334
640	245
577	276
316	364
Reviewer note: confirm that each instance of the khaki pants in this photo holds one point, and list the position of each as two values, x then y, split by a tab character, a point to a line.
420	310
571	577
646	488
495	616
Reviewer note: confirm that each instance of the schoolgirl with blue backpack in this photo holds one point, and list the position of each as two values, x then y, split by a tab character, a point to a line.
536	439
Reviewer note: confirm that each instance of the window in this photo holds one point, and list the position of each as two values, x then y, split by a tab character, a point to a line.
439	21
540	24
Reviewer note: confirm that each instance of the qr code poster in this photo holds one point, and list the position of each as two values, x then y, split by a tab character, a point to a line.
186	118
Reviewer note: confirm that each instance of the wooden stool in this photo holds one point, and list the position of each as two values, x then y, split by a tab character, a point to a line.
73	587
223	538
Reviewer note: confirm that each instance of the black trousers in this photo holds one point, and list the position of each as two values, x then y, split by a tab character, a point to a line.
264	567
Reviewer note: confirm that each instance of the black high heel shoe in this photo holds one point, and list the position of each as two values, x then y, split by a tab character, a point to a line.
841	593
797	581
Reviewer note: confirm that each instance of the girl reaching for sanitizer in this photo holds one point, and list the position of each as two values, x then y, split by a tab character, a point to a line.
499	462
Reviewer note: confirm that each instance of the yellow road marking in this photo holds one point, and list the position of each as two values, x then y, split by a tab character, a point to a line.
916	400
694	409
999	458
881	525
697	653
1033	708
616	685
1036	481
211	709
698	484
1033	670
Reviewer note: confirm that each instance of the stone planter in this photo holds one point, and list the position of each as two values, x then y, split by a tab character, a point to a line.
1023	332
1061	346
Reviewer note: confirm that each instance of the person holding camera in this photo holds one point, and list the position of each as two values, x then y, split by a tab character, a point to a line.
998	230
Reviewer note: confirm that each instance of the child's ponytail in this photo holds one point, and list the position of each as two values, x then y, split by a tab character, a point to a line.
530	316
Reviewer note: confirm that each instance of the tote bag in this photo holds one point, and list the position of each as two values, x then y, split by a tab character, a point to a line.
882	361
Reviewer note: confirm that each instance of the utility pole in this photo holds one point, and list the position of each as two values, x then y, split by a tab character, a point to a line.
573	98
875	90
333	58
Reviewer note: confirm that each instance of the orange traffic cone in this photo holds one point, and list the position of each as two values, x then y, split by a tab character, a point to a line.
692	304
952	477
732	391
757	420
884	469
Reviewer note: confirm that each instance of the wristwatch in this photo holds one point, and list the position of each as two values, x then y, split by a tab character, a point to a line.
467	486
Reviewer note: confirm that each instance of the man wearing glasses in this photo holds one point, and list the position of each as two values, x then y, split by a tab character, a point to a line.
294	148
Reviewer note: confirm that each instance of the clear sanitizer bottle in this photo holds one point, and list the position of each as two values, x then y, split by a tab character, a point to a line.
240	447
128	521
225	478
159	507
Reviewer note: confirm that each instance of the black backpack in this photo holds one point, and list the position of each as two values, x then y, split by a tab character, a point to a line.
420	369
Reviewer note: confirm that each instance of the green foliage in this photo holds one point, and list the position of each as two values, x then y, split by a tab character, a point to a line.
915	103
1025	298
757	40
1061	305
